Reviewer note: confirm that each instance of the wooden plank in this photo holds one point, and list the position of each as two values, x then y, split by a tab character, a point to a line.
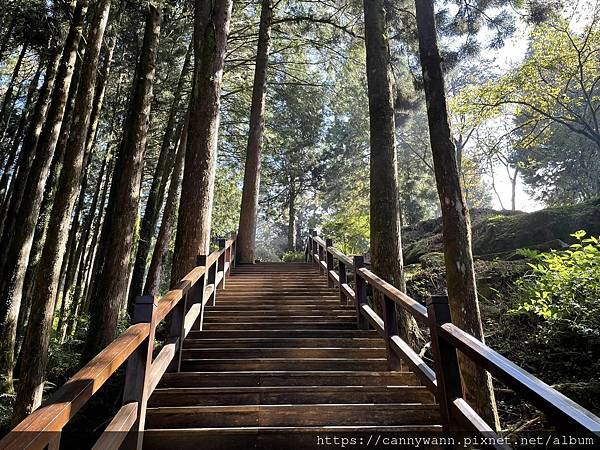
334	277
160	364
465	414
191	317
544	396
410	305
349	291
372	317
116	431
341	257
414	361
35	430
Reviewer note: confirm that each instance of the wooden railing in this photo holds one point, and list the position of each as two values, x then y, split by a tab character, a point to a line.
446	339
184	307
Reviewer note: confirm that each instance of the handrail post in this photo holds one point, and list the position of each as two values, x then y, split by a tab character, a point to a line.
308	246
138	367
361	293
390	328
221	261
198	297
329	261
321	258
445	360
313	247
177	331
343	280
212	279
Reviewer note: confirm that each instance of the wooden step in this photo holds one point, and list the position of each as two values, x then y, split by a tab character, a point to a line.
277	307
271	395
296	325
280	318
287	378
263	333
302	364
300	352
292	415
280	342
280	438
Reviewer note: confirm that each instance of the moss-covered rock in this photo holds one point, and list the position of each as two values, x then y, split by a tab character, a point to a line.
499	233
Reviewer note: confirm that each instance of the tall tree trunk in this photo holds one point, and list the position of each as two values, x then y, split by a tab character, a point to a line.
13	197
81	286
8	100
291	228
460	273
156	194
7	35
18	241
50	189
9	168
37	337
211	30
386	246
246	242
169	218
112	275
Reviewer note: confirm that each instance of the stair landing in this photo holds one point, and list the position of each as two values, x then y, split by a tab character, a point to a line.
280	363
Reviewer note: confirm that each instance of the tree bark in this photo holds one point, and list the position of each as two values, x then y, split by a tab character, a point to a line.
9	168
156	194
246	239
211	30
169	218
291	228
37	337
385	242
111	276
8	100
14	195
18	241
460	273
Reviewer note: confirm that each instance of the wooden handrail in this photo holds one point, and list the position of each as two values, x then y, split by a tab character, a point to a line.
447	339
42	427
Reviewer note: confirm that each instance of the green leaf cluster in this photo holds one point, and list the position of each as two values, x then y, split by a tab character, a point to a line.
563	287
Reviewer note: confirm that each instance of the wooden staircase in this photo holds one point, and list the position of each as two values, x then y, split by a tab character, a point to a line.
278	363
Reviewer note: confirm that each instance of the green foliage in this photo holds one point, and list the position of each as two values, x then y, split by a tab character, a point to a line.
564	286
293	257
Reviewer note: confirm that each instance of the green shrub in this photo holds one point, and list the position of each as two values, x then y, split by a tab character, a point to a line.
293	257
563	287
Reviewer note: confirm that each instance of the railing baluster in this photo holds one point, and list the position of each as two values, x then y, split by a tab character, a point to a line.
177	331
321	258
138	367
198	296
343	280
390	328
360	293
329	261
221	262
313	247
445	360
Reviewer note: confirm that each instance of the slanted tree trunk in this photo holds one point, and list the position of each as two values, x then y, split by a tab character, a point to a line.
156	194
18	239
39	328
7	35
39	235
291	227
7	101
460	273
111	277
169	218
386	246
13	197
246	239
211	30
9	168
